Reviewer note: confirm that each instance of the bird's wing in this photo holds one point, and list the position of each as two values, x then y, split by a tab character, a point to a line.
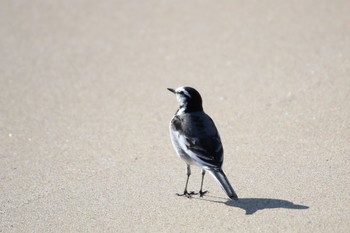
207	150
197	136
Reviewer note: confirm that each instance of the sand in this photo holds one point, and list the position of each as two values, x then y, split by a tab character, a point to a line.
84	114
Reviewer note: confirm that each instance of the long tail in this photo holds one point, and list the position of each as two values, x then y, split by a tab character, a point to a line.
221	178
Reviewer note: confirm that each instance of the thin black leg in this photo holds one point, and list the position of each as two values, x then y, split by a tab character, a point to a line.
201	193
186	193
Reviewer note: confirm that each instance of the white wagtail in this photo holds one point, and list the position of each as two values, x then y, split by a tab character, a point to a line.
196	140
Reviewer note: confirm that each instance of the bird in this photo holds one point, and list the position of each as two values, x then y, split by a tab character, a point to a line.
196	140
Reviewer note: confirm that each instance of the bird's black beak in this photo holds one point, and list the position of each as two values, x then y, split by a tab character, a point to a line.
172	90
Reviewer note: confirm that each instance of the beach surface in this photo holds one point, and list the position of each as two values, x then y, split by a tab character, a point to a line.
84	114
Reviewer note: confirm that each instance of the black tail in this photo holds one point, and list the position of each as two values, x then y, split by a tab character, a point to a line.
221	178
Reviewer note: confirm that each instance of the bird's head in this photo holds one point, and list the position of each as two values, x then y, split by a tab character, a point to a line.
189	99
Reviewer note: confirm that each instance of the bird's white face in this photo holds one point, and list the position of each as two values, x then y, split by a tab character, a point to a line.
188	98
182	95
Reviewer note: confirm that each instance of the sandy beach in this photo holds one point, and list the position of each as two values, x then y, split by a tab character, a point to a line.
84	114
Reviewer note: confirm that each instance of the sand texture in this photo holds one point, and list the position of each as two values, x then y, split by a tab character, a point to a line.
84	114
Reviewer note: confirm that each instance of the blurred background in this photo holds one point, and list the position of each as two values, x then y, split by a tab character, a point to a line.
84	113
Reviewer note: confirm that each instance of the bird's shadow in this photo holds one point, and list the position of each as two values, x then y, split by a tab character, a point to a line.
252	205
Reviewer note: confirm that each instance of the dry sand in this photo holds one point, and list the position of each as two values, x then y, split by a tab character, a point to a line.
84	114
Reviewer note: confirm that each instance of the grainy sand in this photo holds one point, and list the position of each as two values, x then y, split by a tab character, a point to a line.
84	113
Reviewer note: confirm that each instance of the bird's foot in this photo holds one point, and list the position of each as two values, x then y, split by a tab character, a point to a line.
201	193
187	194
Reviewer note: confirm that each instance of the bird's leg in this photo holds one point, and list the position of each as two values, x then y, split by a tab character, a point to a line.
186	193
201	193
